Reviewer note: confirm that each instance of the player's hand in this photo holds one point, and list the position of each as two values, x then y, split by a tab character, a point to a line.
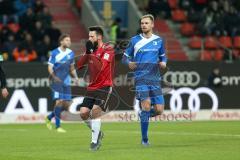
82	83
162	65
79	82
76	81
55	78
163	68
5	92
89	47
132	65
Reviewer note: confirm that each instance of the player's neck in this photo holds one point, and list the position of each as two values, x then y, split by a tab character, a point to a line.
63	48
100	44
147	34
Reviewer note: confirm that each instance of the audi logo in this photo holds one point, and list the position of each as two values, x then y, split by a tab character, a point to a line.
194	103
182	78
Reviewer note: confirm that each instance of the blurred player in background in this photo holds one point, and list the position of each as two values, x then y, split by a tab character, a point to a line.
146	56
4	90
60	67
100	59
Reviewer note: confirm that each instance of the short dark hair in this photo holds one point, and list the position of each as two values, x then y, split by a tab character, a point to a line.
63	36
97	29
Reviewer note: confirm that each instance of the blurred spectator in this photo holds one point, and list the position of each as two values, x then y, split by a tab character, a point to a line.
27	20
153	7
165	11
214	79
38	6
228	55
28	42
9	46
115	30
185	4
232	21
236	3
4	32
7	12
143	5
54	33
44	17
23	54
195	16
213	20
17	41
199	5
43	48
38	31
159	8
21	6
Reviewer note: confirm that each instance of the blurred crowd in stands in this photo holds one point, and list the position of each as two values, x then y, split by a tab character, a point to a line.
27	31
215	17
212	26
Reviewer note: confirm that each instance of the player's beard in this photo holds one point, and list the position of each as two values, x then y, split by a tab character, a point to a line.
95	45
146	31
65	46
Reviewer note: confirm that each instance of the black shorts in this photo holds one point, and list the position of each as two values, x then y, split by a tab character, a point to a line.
97	97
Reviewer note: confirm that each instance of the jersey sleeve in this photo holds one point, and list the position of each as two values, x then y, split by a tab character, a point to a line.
51	60
82	61
128	54
72	61
162	54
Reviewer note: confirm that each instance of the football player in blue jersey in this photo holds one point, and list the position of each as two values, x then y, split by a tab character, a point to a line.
145	55
60	68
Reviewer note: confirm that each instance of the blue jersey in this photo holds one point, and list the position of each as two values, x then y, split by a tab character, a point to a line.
147	53
61	62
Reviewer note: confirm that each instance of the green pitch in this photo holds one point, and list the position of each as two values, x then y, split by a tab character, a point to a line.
169	141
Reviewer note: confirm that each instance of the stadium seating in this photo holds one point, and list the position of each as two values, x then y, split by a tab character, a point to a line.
187	29
179	15
210	42
198	40
206	55
218	55
172	44
236	42
173	4
225	41
195	42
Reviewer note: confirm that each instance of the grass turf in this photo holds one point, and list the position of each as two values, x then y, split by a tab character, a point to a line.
169	141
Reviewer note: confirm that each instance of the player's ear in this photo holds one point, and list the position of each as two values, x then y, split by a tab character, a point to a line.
152	24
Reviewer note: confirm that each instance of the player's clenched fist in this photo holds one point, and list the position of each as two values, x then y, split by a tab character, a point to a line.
90	47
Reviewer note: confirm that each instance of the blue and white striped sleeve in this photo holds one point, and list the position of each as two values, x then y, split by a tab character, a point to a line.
161	54
72	61
51	60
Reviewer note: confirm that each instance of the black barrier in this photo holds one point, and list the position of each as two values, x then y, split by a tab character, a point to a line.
29	87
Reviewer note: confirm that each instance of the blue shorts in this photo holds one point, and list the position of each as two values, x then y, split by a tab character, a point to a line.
149	91
63	93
